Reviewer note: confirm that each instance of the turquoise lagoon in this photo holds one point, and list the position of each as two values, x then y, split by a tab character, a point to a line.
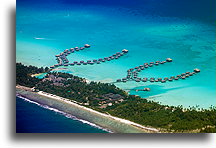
43	33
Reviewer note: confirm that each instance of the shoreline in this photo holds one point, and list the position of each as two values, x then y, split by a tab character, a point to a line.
85	110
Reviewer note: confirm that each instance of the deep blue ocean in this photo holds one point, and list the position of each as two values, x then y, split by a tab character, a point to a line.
32	118
151	30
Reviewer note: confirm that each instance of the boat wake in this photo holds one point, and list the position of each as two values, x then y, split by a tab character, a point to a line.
67	115
36	38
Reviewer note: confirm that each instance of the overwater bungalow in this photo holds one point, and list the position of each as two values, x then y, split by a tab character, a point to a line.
78	63
125	51
152	80
85	63
138	70
187	75
88	61
98	62
144	80
135	75
136	67
137	80
57	55
169	60
65	64
81	61
156	80
124	78
159	79
87	46
151	62
100	59
176	78
81	48
196	70
146	66
156	64
103	60
118	80
75	62
72	64
52	66
94	60
190	74
163	81
170	79
183	77
150	65
146	89
71	49
128	76
108	59
166	78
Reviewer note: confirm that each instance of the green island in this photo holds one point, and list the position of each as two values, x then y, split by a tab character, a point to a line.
109	99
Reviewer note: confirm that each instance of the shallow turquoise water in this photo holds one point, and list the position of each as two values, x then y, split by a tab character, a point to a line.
43	33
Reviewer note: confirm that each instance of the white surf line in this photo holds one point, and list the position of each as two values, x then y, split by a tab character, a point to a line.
67	115
91	110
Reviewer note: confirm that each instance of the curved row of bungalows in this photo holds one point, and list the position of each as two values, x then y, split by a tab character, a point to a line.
62	60
162	80
146	65
66	52
98	61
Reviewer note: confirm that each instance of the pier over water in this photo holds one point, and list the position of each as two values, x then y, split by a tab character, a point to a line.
132	73
63	61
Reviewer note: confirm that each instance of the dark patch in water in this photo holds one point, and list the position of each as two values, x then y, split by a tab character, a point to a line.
155	90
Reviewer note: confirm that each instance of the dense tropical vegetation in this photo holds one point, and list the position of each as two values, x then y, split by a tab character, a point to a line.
108	98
